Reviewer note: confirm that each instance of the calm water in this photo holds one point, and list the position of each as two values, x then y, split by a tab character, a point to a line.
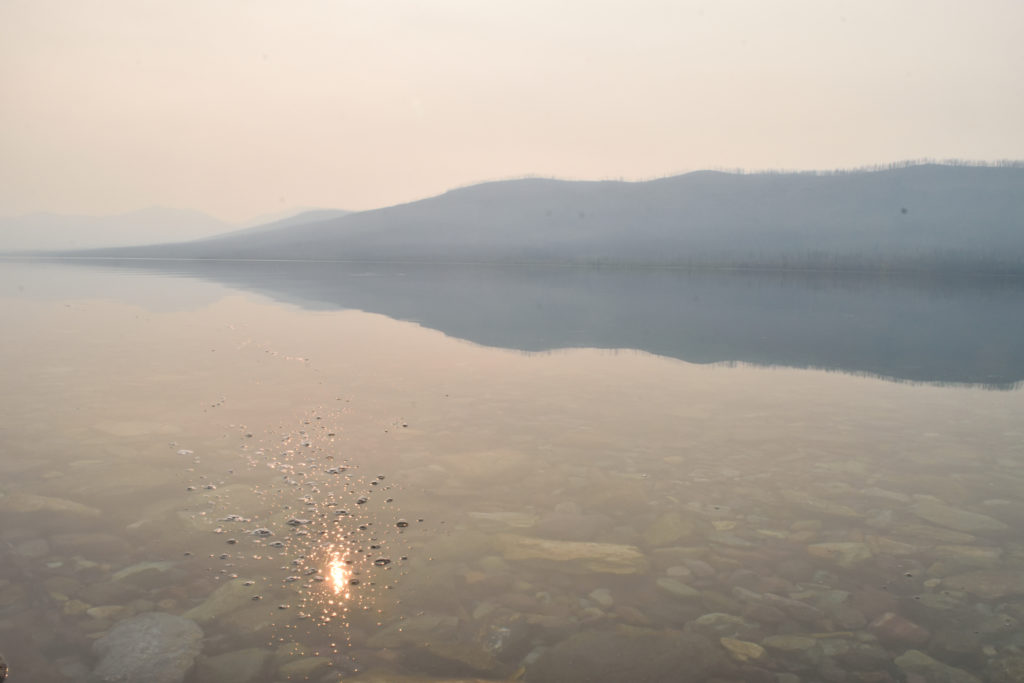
394	473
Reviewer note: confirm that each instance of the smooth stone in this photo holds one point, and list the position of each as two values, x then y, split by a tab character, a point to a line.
721	625
519	520
415	629
846	554
588	557
847	617
892	627
627	653
74	607
677	588
149	648
667	529
881	545
729	540
450	658
602	596
631	615
741	649
29	503
227	598
983	557
800	611
988	583
259	617
106	611
679	571
927	532
141	567
789	643
809	502
302	669
239	666
700	568
940	601
933	671
955	518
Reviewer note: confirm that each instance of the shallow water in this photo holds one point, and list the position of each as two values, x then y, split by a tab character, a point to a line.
522	510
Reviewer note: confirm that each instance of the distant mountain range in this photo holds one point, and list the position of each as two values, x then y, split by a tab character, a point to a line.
928	216
49	231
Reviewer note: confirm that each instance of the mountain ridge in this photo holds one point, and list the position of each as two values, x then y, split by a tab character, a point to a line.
930	216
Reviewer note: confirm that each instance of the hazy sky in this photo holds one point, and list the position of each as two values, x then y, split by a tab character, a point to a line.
243	107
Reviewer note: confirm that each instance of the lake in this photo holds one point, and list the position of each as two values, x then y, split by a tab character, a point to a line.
382	472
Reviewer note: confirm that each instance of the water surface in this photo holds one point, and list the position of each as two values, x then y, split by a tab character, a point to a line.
537	488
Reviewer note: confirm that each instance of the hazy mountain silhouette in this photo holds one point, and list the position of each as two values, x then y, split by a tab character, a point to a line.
289	221
929	216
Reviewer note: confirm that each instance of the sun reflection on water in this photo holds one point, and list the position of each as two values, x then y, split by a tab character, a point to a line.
339	573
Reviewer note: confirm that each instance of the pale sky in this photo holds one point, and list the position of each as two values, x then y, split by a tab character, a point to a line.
244	107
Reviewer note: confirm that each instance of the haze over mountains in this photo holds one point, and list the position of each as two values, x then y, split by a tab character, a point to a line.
927	216
61	231
48	231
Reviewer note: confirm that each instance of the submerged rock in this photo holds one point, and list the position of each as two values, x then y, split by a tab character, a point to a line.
232	595
303	669
239	666
667	529
676	588
632	654
982	557
522	520
607	558
742	650
789	643
720	625
894	628
844	554
820	505
955	518
151	648
28	503
933	671
987	583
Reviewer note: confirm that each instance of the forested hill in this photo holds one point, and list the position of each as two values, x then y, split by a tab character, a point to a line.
928	216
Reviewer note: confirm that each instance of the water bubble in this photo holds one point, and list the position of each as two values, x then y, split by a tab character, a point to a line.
401	524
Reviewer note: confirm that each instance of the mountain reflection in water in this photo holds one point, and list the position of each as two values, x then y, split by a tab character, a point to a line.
904	327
